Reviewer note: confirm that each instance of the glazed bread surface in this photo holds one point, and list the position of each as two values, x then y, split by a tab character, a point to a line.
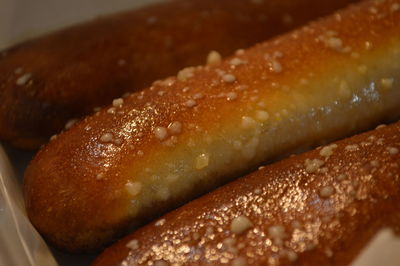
318	208
55	79
185	135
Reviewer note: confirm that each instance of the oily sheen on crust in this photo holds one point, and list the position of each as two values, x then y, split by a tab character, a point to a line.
317	208
49	82
187	134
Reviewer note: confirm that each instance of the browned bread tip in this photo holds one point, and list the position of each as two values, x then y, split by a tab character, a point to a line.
49	82
318	208
185	135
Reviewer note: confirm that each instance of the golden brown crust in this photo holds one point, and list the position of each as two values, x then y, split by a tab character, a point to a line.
47	81
186	135
299	214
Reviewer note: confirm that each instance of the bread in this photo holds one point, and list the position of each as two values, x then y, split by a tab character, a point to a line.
318	208
58	78
186	135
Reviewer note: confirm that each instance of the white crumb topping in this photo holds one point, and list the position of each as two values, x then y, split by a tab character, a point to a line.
331	40
276	232
228	78
239	52
262	115
134	188
326	191
236	61
276	66
190	103
133	244
22	80
373	10
185	73
327	150
248	122
198	96
240	224
118	102
351	147
106	137
100	176
160	133
313	165
214	58
18	70
111	110
175	127
70	123
230	96
368	45
202	161
395	7
374	163
393	150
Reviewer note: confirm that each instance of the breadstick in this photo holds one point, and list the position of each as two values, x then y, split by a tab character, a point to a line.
49	82
318	208
185	135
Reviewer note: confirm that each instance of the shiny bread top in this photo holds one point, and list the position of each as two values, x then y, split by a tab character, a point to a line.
317	208
187	134
62	76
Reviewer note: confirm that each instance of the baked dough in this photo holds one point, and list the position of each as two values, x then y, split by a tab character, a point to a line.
318	208
185	135
49	82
